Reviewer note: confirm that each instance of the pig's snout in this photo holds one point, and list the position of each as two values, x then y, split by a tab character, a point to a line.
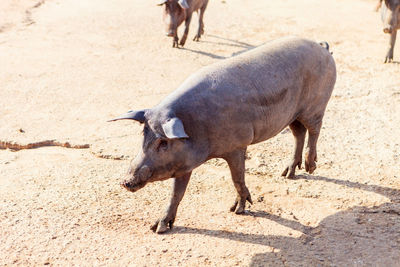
126	184
138	180
388	29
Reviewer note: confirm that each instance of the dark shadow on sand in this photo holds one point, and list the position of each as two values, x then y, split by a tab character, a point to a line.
225	42
359	236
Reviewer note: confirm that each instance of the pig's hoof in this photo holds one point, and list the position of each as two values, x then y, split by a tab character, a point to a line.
388	60
290	170
182	43
310	165
196	38
239	206
233	208
238	209
287	174
161	226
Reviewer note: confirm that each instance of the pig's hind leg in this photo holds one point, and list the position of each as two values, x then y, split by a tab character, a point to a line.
389	54
311	150
299	133
236	162
200	30
167	221
175	41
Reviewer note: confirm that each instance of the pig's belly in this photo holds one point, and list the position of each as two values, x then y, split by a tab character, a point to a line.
267	128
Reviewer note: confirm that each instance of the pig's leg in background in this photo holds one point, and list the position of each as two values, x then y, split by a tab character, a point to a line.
200	30
167	221
236	162
185	34
389	54
176	39
299	133
311	151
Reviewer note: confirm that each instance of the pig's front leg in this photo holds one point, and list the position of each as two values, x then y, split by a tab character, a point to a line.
175	41
236	164
185	34
166	222
389	54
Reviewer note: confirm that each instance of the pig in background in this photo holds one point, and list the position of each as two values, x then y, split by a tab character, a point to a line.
223	108
178	11
390	15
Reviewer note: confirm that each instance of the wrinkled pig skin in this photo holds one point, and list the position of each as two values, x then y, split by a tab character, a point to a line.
223	108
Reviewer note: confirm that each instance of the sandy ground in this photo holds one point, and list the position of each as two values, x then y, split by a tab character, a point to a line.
68	66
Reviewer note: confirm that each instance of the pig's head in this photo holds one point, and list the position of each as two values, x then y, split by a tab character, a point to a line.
174	14
165	152
390	14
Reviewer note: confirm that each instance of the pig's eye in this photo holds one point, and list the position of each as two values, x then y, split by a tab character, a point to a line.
145	131
162	146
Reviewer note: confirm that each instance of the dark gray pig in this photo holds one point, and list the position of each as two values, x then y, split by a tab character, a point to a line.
177	11
390	14
221	109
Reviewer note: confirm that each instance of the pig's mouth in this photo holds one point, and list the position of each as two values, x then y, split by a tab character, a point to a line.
132	187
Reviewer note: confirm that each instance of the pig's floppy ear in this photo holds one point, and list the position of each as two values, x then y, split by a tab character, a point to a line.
173	129
183	4
161	2
137	115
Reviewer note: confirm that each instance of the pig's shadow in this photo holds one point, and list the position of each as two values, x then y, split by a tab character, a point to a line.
357	236
221	41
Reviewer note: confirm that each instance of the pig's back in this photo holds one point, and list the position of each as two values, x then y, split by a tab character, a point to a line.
252	97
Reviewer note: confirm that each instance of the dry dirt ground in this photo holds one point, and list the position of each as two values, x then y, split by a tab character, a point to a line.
67	66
